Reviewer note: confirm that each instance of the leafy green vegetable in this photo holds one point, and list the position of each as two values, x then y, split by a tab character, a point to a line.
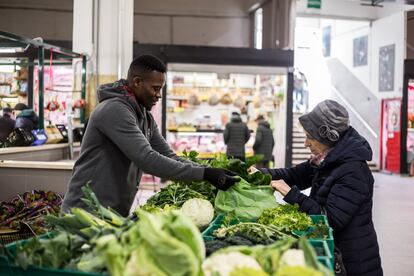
202	187
245	200
255	231
97	209
55	252
174	194
241	168
170	244
320	231
286	217
150	208
112	253
192	156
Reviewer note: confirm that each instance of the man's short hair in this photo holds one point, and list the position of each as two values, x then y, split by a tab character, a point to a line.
145	64
21	106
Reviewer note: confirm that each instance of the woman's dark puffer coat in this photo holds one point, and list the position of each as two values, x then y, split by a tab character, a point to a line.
343	184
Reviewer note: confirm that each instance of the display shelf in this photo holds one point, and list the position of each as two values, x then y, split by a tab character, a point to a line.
177	98
211	155
196	131
9	96
410	129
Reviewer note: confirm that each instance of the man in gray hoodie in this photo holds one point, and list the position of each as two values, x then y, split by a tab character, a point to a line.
122	141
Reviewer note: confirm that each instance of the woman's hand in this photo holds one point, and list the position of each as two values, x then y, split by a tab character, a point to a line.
252	170
280	186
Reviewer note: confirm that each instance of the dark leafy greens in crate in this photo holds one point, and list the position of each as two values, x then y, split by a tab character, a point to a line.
174	195
319	231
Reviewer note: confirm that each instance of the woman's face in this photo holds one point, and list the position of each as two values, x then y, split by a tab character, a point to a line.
314	145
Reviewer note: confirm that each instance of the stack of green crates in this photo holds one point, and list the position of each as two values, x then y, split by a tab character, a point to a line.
329	240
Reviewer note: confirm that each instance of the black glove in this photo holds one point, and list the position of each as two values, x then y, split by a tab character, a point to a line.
220	178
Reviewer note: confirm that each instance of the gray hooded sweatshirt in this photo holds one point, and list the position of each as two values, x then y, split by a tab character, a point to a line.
121	141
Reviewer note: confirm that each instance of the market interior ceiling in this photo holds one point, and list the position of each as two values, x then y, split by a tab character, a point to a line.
139	5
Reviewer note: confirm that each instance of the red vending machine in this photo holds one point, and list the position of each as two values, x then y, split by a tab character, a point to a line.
391	135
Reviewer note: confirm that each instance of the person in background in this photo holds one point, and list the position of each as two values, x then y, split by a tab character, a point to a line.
236	134
264	142
341	185
6	124
25	117
122	141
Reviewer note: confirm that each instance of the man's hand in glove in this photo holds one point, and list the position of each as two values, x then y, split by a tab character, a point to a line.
220	178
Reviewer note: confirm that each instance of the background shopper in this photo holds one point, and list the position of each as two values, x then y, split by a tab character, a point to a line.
236	134
264	142
25	117
6	124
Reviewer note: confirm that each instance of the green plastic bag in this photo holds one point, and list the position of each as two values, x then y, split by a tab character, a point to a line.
246	200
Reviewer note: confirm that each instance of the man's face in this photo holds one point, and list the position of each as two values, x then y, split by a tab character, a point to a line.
147	89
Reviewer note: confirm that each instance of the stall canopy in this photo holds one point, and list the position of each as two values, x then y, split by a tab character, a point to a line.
14	46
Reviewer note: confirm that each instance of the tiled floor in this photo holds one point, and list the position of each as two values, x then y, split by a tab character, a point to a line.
393	218
394	221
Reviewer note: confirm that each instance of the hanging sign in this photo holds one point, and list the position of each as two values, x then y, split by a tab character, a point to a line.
314	4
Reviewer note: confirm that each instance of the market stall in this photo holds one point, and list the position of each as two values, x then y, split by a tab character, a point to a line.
187	228
47	79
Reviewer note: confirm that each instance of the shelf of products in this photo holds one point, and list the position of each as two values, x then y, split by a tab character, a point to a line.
200	104
13	85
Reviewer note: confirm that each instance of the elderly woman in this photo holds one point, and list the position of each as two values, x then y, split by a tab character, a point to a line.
342	185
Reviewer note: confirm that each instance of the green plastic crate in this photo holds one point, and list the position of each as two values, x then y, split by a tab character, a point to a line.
325	261
208	234
322	251
321	248
330	239
8	268
318	218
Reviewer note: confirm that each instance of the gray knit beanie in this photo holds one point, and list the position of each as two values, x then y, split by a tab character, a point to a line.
326	122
